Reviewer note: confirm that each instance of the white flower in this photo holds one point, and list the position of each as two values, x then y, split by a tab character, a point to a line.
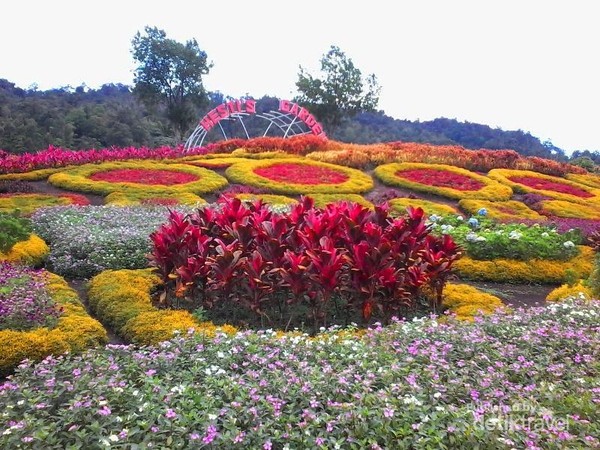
515	235
568	244
461	218
544	234
113	438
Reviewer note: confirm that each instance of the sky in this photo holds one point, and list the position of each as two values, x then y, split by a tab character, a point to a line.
512	64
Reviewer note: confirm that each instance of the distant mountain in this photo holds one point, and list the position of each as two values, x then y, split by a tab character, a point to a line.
81	118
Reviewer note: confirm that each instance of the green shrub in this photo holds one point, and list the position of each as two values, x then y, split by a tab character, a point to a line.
12	230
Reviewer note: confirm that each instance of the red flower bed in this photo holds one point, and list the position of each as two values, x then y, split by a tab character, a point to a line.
441	178
547	185
160	201
76	199
301	174
144	176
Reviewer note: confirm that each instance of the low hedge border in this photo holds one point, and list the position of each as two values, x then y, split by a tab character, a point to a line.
243	173
498	210
503	175
77	179
399	205
271	199
492	190
322	200
579	290
532	271
75	331
28	203
136	198
34	175
121	300
467	301
31	252
589	179
565	209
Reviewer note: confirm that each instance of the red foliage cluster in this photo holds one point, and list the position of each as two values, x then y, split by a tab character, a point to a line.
76	199
441	178
144	176
301	174
160	201
547	185
253	257
296	145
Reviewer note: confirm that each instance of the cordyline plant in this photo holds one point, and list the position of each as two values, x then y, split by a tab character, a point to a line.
330	261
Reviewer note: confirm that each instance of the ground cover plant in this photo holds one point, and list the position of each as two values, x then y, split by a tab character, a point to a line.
87	240
410	385
27	204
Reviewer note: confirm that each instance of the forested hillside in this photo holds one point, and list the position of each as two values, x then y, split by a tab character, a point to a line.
82	118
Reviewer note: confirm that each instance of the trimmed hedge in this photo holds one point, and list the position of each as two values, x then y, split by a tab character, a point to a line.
31	252
532	271
75	331
399	205
78	179
564	291
243	173
122	300
563	208
137	198
508	210
492	190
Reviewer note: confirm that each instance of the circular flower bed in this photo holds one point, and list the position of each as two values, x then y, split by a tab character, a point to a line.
443	180
141	176
399	206
509	210
299	176
526	181
27	204
144	176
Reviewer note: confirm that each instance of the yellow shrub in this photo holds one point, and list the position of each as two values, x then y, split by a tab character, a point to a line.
491	190
577	290
271	199
77	179
503	176
399	205
563	208
31	252
122	298
532	271
507	210
27	204
136	198
589	179
322	200
243	173
34	175
74	332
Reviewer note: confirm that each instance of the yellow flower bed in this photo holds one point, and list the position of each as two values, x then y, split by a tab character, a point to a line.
503	175
589	179
78	179
136	198
507	210
578	290
322	200
466	301
31	252
27	204
216	162
271	199
34	175
491	190
243	173
121	299
74	332
563	208
532	271
399	205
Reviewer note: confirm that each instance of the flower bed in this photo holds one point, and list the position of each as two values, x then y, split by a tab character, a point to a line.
466	301
532	271
121	299
266	198
399	205
299	176
86	240
148	198
81	178
27	204
438	179
32	252
509	210
589	179
216	163
577	290
144	176
322	200
410	385
74	332
563	208
525	181
34	175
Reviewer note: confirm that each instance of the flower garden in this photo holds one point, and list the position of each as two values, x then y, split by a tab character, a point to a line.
297	293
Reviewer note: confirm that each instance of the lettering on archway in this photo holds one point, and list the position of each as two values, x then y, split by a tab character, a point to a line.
291	119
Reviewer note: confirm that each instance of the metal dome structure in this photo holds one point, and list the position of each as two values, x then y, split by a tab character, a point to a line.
290	120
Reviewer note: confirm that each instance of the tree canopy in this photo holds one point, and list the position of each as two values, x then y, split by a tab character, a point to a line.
169	75
341	92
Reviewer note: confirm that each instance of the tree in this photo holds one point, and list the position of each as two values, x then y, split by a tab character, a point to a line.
341	93
170	75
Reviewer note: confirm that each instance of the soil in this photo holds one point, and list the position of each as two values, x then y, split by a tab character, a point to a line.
515	295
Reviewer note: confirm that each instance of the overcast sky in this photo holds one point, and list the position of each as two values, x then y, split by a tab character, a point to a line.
512	64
